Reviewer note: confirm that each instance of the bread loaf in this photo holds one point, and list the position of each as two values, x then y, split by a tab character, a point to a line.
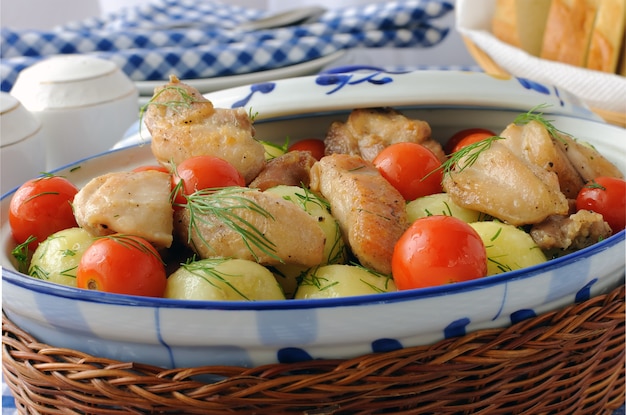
607	36
521	23
568	31
585	33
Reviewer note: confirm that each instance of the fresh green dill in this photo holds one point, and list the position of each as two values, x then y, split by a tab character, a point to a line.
22	255
252	115
496	235
321	283
223	204
130	241
206	270
467	156
185	101
280	148
501	266
534	114
37	272
594	185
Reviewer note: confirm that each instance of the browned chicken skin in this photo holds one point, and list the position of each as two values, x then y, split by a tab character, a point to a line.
289	169
291	235
368	131
370	211
184	124
136	203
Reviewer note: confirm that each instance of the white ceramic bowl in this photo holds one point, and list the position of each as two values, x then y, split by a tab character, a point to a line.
175	333
84	103
21	144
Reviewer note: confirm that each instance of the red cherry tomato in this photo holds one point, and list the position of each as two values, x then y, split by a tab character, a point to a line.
156	167
204	172
452	144
122	264
41	207
606	196
411	168
314	146
438	250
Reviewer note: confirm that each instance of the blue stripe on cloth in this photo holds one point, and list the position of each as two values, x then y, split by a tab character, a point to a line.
212	46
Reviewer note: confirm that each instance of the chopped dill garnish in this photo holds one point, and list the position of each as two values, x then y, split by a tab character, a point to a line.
185	101
534	115
205	269
21	254
252	115
130	242
468	155
223	204
281	148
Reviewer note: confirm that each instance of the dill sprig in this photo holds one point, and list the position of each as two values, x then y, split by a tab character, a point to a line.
206	270
130	241
468	155
22	255
534	114
223	204
185	101
281	148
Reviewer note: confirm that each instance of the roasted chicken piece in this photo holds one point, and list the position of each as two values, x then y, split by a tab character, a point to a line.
587	160
504	185
570	233
184	124
249	224
370	211
534	144
289	169
367	132
136	203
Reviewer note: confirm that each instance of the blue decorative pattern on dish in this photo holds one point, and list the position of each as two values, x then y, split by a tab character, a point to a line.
263	88
341	80
533	85
292	355
585	293
157	328
456	328
521	315
386	345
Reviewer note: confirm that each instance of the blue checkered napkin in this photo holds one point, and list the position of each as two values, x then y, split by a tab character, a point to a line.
194	39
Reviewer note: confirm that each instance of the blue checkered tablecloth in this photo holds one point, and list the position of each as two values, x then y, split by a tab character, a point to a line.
200	39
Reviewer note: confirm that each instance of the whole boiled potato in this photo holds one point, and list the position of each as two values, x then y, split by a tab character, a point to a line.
338	280
508	248
440	204
334	247
223	279
56	259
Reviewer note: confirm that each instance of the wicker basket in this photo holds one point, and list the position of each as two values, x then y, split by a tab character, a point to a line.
567	362
489	66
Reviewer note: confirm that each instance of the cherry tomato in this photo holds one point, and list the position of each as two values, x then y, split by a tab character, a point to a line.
411	168
204	172
41	207
314	146
438	250
606	196
122	264
156	167
453	144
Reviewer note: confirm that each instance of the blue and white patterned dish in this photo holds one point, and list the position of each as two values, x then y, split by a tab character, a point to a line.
174	333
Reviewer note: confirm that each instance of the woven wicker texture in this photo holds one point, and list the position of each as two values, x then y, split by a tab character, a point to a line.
567	362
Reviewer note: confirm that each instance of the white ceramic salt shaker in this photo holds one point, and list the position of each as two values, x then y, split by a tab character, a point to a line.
84	103
22	155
